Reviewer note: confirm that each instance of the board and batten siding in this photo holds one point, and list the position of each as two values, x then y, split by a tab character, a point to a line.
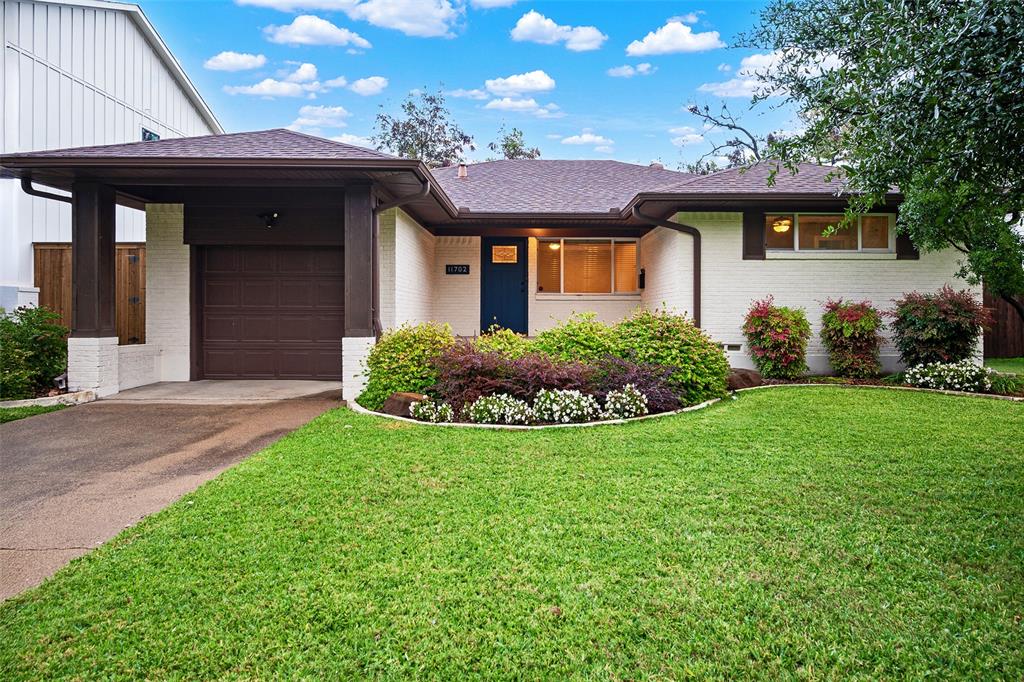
77	75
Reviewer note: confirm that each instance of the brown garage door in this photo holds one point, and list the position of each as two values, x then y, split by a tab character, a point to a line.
272	312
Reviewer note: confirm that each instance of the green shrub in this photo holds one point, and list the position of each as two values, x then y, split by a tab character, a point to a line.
581	338
850	332
943	327
402	361
656	337
778	339
505	341
33	351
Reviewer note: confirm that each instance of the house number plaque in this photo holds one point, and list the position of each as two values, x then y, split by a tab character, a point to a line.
450	269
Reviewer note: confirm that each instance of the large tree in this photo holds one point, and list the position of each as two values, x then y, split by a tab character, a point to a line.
923	95
426	131
511	144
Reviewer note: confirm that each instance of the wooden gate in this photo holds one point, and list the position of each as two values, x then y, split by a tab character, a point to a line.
1005	338
53	277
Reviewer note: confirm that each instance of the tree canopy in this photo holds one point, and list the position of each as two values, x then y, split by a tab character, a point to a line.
426	131
512	145
926	96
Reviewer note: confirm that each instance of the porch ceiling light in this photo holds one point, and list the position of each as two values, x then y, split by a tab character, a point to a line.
554	246
782	225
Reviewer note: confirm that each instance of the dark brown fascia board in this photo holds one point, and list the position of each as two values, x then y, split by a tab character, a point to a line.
748	198
23	164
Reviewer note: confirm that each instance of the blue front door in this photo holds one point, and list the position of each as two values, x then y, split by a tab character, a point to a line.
503	284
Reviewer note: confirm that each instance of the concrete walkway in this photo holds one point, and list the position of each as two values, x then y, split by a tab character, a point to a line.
73	479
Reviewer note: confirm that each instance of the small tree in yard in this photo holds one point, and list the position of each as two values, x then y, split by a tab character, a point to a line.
512	145
426	131
925	96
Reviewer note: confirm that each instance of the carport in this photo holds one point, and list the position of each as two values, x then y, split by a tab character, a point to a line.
261	252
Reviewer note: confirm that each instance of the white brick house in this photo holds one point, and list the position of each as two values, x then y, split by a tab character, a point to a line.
277	254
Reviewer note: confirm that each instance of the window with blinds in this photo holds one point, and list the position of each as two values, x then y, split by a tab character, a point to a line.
587	266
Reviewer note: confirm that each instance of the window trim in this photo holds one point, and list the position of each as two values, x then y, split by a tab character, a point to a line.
561	293
890	249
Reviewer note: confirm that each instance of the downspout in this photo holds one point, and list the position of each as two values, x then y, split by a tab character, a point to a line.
378	327
27	188
693	232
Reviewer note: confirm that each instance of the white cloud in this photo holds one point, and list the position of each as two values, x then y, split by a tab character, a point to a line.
673	37
534	27
357	140
689	17
234	61
268	87
424	18
746	82
724	68
627	71
587	137
533	81
374	85
338	82
313	117
311	30
605	149
525	106
462	93
684	136
304	74
488	4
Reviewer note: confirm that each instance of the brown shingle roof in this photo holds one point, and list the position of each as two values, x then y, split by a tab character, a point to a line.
551	186
811	179
278	143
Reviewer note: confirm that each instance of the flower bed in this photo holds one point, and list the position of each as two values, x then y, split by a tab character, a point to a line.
578	372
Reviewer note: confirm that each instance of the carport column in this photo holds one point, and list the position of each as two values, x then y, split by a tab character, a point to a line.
92	348
359	337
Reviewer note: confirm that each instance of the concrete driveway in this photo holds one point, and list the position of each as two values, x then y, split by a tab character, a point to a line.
73	479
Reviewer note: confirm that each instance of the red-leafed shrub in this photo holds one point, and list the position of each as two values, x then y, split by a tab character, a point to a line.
850	332
940	327
465	374
778	339
654	381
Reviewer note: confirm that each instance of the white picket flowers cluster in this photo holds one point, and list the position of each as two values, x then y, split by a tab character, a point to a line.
951	376
565	407
626	403
430	410
499	409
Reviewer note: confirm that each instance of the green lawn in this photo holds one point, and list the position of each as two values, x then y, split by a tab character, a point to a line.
1006	365
10	414
794	532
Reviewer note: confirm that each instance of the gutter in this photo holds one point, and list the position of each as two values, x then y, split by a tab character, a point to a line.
693	232
27	188
378	326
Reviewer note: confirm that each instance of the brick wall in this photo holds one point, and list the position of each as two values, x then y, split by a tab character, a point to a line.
413	271
731	283
168	312
457	297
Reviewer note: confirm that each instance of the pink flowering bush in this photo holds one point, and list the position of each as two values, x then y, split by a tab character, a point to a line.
777	337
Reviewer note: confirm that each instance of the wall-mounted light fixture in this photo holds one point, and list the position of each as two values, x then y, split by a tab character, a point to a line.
270	218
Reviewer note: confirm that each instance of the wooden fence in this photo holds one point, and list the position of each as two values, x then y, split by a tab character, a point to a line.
53	277
1005	338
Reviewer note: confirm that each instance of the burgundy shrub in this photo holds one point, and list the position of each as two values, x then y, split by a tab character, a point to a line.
465	374
654	381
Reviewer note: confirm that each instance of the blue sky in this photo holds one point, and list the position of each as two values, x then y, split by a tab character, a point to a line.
581	79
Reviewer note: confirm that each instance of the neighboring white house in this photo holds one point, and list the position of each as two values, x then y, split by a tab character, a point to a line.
76	73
